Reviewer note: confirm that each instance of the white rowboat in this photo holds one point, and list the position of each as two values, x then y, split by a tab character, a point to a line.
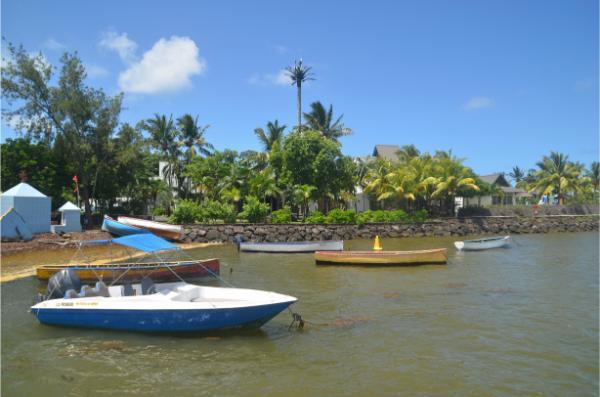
290	247
172	232
482	244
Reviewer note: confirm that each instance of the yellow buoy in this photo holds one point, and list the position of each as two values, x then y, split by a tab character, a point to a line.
377	246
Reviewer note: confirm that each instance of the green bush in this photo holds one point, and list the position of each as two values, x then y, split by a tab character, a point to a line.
340	216
186	211
211	211
315	217
419	216
393	216
254	210
283	215
158	211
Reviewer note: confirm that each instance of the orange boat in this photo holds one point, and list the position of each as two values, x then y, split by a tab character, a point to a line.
382	258
134	272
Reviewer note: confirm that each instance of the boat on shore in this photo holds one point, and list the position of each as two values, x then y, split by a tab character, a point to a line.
482	243
134	272
161	269
117	228
293	247
382	258
165	230
161	308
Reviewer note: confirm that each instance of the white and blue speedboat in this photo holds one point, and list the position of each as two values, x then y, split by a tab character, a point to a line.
162	308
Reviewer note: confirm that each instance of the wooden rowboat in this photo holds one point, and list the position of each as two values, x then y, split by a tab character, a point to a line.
171	232
382	258
482	244
134	272
293	247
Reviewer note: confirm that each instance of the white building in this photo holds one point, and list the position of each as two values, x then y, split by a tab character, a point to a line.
31	204
70	219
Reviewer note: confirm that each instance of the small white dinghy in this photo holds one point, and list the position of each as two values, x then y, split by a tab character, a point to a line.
293	247
165	307
482	244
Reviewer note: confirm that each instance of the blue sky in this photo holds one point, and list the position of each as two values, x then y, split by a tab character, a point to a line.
500	83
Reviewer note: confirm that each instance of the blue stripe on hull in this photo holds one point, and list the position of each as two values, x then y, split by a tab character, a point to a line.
194	320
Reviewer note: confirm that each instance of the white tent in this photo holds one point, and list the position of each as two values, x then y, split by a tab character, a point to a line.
70	219
31	204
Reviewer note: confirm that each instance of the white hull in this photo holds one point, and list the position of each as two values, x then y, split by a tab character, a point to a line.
162	229
482	244
291	247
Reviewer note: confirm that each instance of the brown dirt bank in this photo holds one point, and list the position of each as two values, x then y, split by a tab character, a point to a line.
50	241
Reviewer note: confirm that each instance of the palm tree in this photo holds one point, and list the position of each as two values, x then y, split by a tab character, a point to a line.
298	74
192	135
301	194
163	137
273	137
407	152
594	174
557	175
319	119
376	180
517	174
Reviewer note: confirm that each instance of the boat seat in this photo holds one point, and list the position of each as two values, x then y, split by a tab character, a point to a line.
87	291
128	290
71	293
148	286
102	289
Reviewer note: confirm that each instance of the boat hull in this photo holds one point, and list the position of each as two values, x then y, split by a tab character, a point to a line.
120	229
136	271
382	258
162	321
293	247
482	244
171	232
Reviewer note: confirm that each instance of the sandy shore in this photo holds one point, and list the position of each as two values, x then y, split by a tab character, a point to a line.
16	256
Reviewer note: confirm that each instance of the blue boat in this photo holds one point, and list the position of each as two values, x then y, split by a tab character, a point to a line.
120	229
162	308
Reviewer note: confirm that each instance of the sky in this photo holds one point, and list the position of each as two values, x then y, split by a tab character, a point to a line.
500	83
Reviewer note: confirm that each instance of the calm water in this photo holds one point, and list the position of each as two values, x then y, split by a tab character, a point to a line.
520	321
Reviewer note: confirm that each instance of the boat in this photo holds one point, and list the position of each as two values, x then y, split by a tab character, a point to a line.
120	229
134	272
160	269
382	258
165	230
161	308
482	244
293	247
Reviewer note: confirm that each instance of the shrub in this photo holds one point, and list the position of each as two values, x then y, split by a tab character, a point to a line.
473	211
186	211
254	210
315	217
340	216
283	215
419	216
158	211
211	211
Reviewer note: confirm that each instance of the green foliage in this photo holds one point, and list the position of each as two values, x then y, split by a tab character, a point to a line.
340	216
419	216
315	217
394	216
211	211
157	211
254	210
283	215
186	211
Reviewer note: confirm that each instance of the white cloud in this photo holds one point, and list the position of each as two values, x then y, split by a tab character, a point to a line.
94	71
478	102
279	78
167	66
53	44
281	49
119	43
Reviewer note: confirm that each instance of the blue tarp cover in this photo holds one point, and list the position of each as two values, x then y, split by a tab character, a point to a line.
147	242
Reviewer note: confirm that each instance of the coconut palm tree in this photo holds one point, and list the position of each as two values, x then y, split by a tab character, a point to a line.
273	137
407	152
376	180
594	174
301	194
298	74
163	137
517	174
557	175
192	136
319	119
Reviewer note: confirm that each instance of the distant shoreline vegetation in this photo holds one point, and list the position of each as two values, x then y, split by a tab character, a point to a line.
71	129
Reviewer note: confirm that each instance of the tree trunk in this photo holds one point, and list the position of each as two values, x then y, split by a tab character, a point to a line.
85	195
299	106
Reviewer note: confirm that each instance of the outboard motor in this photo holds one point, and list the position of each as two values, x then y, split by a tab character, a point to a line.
61	282
238	239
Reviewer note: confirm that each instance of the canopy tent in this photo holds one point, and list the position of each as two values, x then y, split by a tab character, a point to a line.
146	242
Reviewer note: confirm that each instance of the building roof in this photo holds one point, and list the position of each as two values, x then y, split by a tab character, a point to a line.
388	152
69	206
495	179
23	190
